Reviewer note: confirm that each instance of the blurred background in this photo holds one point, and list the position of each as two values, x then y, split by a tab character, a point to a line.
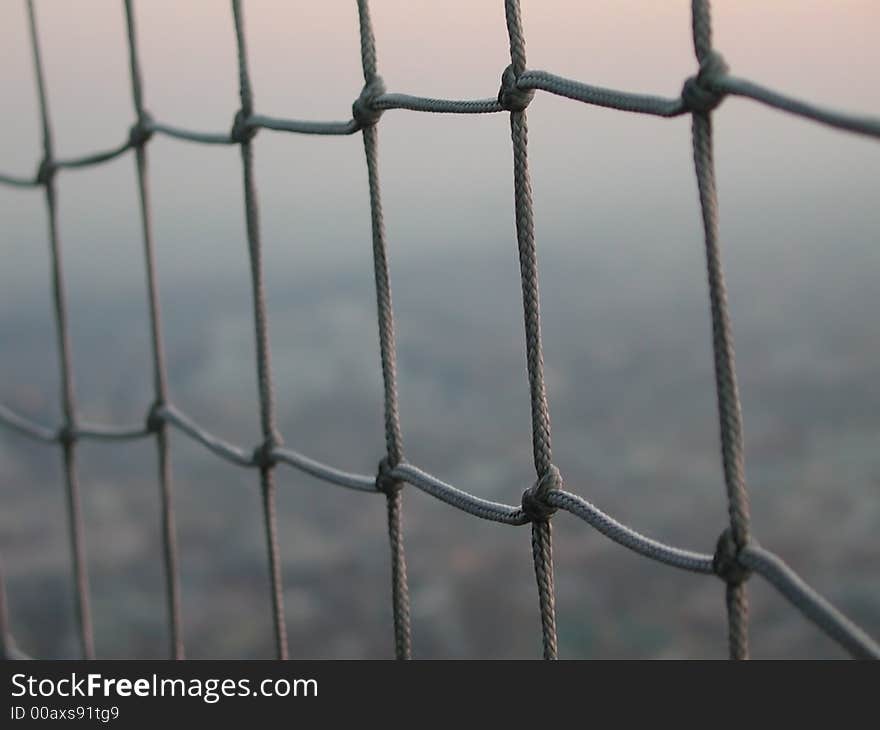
625	311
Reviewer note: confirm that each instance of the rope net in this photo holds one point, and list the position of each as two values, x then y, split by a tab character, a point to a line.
737	554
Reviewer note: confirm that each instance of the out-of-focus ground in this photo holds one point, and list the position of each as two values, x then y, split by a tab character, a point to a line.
633	406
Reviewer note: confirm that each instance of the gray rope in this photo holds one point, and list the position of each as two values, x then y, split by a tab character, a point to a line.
784	579
359	482
629	538
729	409
18	182
5	633
261	328
838	120
516	101
170	415
369	115
735	556
387	346
813	606
68	402
84	431
482	508
717	84
8	650
259	121
437	106
139	137
27	427
13	653
368	41
399	582
542	556
600	96
227	451
96	432
188	135
95	158
525	232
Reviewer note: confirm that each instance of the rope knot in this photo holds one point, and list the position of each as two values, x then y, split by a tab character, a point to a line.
241	131
510	96
141	131
46	171
534	499
726	563
66	435
699	92
264	456
385	481
364	109
155	421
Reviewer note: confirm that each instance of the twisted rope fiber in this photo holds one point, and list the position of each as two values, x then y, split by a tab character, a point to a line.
813	606
720	83
703	100
515	101
139	136
367	115
244	136
46	178
789	584
752	557
736	555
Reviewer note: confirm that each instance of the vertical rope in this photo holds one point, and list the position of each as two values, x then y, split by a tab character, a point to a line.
399	583
368	41
271	437
5	632
542	555
160	378
542	536
388	354
729	409
68	401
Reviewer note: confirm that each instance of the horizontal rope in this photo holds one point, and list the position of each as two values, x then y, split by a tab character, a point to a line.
483	508
735	556
221	448
174	417
600	96
629	538
85	431
27	427
322	471
437	106
298	126
425	482
838	120
96	158
18	182
189	135
813	606
103	433
535	80
771	567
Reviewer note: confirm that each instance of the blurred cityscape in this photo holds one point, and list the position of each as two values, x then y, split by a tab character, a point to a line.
633	410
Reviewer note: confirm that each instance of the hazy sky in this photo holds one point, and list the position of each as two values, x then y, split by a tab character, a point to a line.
598	175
